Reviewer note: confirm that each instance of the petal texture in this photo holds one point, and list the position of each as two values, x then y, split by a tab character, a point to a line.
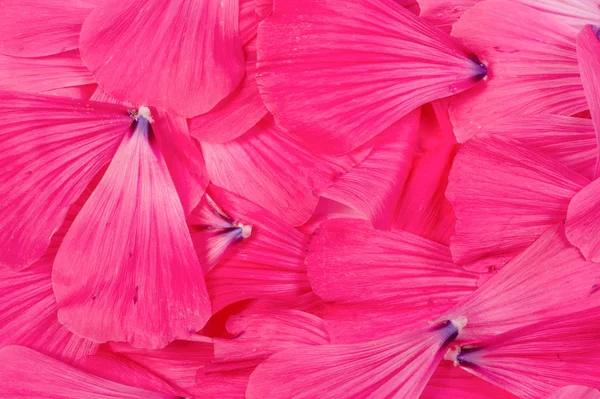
380	63
127	270
122	44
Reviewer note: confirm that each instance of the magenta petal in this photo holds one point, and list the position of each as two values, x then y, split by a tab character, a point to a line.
36	28
380	63
50	149
127	270
201	65
26	373
574	392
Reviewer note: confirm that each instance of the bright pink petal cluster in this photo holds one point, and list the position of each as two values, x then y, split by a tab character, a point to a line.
318	199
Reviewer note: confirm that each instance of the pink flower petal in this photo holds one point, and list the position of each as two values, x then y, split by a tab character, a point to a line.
127	270
535	360
37	28
532	69
26	373
51	148
257	335
235	114
375	185
248	20
380	63
214	232
183	158
43	74
398	366
505	197
582	221
200	67
452	382
548	279
350	262
571	141
574	392
260	166
423	208
588	55
444	13
269	264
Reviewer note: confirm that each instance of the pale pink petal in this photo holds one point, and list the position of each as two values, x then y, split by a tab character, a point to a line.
268	264
582	224
350	262
548	279
183	158
423	208
35	28
214	232
394	367
50	149
257	335
272	170
43	74
28	374
380	63
450	382
572	141
531	69
235	114
123	44
375	185
588	54
505	196
574	392
535	360
127	270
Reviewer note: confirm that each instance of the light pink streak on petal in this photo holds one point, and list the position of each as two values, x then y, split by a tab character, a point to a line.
375	185
394	367
183	158
237	113
122	43
532	69
43	74
451	382
535	360
549	279
574	392
582	221
50	149
272	170
588	55
26	373
380	63
328	209
127	270
268	264
505	196
36	28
